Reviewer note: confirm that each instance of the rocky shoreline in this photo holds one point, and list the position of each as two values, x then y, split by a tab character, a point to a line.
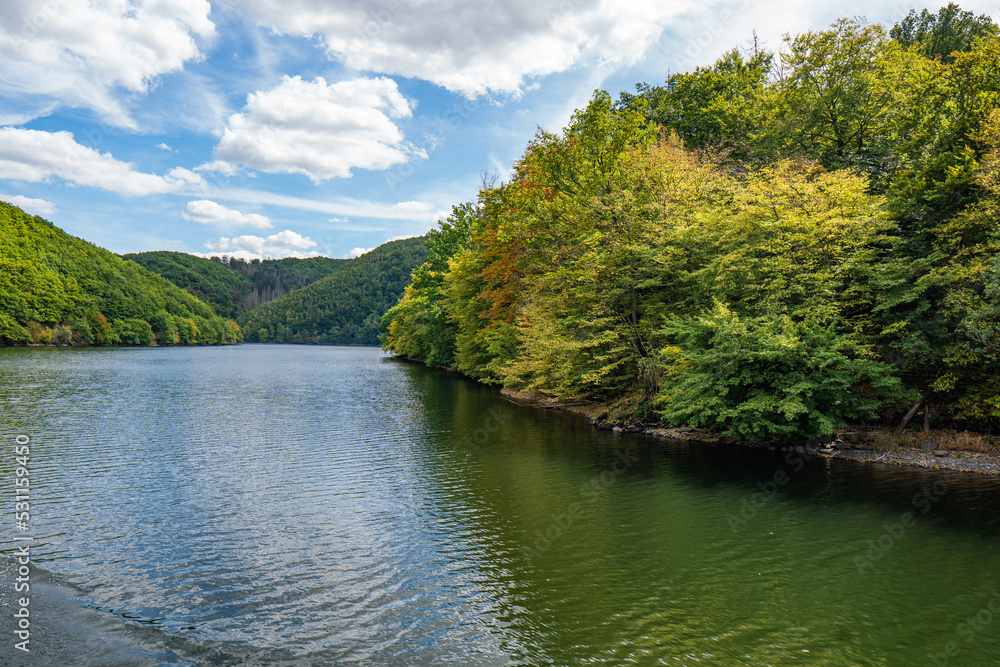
848	444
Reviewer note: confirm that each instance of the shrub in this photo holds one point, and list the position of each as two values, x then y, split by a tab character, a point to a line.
12	331
133	331
769	376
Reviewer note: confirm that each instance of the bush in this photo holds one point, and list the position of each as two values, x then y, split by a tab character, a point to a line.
187	329
39	333
63	335
769	376
82	334
12	331
133	331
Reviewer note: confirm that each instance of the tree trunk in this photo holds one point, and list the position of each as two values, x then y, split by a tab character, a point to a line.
913	410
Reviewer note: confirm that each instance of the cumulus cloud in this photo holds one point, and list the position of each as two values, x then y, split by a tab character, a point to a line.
180	177
77	52
208	212
30	204
317	129
474	48
33	156
357	252
276	246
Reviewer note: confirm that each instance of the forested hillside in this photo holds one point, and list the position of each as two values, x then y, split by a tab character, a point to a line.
234	285
774	245
55	288
344	308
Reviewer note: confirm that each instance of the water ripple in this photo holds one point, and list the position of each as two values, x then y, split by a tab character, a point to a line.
273	504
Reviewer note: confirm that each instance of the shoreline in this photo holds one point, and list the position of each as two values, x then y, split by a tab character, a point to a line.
848	444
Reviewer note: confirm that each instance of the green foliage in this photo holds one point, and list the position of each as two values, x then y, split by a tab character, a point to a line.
232	286
421	308
55	288
326	314
722	107
770	375
942	34
834	97
344	308
11	331
818	232
133	331
937	126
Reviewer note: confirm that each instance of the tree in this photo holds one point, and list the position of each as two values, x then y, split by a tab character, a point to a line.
773	251
339	308
832	105
939	36
725	107
936	127
770	376
423	304
77	293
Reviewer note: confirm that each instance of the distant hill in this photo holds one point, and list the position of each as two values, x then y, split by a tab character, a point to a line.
344	308
232	285
58	289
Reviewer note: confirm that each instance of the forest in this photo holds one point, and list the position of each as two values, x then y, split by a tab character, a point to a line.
774	245
343	308
317	300
232	285
58	289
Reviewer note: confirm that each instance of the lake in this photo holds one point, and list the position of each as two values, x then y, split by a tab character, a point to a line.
293	505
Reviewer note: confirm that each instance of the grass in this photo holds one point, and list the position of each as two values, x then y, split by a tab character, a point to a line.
884	440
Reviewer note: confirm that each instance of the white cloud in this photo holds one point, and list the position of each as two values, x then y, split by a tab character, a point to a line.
339	220
340	206
33	156
474	48
165	147
77	52
210	213
276	246
181	177
357	252
319	130
220	167
30	204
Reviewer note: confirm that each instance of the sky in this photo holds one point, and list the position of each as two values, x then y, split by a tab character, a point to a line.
296	128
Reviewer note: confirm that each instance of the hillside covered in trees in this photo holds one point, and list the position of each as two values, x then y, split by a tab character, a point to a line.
55	288
776	244
233	285
344	308
315	300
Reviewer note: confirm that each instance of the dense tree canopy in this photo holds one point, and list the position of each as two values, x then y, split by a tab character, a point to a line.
774	245
941	35
344	308
233	285
316	300
55	288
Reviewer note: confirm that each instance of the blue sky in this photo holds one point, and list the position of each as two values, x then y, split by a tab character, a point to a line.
274	128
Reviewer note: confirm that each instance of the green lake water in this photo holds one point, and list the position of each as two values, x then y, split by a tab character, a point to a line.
290	505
